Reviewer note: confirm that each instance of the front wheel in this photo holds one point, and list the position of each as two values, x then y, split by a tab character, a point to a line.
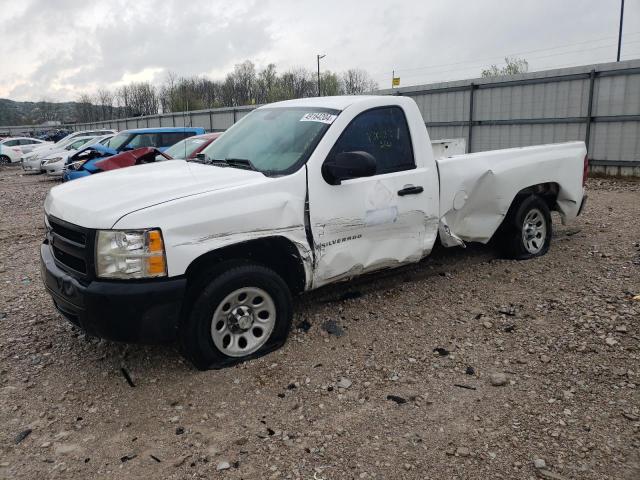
4	160
527	229
242	311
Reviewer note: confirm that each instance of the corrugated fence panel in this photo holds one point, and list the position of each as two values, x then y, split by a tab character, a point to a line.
167	121
543	100
615	141
598	104
443	107
509	136
222	120
201	119
439	133
617	95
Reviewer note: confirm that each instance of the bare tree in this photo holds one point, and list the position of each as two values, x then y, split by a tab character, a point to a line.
356	81
244	82
105	103
243	86
513	67
266	84
227	92
84	108
329	84
297	83
144	100
123	101
167	94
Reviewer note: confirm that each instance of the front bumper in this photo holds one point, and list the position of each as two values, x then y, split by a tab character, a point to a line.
53	170
31	165
124	311
74	174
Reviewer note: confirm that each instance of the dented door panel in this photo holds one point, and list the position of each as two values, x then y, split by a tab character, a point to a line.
364	224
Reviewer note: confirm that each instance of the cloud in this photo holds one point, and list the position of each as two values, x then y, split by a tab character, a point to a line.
60	49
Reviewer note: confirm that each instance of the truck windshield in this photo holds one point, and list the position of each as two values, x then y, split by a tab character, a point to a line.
272	140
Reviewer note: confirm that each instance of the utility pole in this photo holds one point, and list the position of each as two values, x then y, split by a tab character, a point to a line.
620	29
318	57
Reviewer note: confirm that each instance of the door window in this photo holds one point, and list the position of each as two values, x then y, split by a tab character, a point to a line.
382	132
171	138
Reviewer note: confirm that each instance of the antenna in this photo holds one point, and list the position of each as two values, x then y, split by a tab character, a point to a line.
184	131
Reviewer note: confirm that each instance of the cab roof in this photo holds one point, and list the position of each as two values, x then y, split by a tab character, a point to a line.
336	103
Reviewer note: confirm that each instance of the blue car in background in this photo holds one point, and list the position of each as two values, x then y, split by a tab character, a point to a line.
82	164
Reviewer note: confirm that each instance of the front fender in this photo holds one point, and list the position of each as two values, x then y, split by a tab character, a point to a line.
194	225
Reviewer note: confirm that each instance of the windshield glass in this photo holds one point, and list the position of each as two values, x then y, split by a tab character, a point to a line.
184	148
119	140
78	143
274	140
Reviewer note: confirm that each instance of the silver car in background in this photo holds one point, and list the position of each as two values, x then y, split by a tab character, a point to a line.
53	164
31	161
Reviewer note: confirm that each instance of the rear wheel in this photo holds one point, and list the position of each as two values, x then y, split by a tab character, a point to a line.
4	160
527	229
240	311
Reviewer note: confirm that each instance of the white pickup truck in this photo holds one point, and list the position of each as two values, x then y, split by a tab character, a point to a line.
297	195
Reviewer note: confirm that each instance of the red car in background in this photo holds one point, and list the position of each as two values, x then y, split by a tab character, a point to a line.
186	149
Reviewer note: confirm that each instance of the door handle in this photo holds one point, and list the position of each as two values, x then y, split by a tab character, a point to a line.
411	190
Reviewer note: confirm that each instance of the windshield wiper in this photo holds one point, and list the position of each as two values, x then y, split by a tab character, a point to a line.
241	163
232	162
197	160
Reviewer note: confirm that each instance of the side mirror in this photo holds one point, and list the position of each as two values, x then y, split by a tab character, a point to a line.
201	157
346	165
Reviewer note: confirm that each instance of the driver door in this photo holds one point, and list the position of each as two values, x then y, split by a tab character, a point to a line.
369	223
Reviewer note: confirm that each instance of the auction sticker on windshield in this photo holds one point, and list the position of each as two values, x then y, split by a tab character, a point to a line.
322	117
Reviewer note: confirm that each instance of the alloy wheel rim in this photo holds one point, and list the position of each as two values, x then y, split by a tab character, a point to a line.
243	321
534	231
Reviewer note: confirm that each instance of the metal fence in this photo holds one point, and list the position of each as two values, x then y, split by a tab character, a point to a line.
599	104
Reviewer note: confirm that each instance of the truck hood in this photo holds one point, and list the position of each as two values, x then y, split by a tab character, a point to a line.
100	200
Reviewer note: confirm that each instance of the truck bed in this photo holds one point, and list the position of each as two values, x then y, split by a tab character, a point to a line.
477	189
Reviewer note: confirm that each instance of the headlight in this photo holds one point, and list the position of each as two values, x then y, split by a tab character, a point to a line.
130	254
52	160
76	165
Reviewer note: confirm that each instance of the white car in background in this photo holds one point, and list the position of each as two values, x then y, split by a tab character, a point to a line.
12	148
29	162
53	164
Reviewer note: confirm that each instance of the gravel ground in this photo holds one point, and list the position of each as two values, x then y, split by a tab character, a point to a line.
462	367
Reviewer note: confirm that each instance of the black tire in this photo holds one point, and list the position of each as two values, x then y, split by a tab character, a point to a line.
516	243
4	160
196	338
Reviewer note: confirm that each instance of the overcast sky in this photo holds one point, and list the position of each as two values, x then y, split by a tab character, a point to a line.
58	49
